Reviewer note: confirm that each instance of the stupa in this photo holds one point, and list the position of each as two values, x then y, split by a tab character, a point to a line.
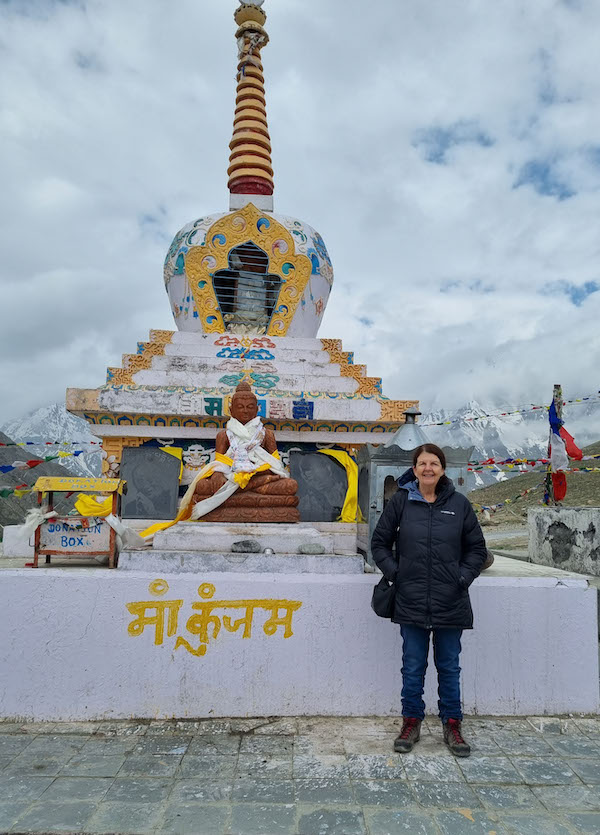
248	289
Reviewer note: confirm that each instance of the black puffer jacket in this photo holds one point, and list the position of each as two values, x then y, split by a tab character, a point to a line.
440	551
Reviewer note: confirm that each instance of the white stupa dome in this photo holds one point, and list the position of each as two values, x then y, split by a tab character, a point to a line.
294	278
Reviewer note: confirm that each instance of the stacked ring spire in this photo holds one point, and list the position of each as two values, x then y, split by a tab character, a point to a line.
250	170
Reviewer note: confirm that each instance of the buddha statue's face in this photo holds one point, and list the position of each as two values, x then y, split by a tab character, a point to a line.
244	407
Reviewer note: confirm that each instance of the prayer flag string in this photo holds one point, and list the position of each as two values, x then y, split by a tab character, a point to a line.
35	462
532	408
482	507
51	443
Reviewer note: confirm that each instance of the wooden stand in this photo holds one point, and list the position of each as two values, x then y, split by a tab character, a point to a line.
50	528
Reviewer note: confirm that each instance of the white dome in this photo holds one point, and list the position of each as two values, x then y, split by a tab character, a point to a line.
294	255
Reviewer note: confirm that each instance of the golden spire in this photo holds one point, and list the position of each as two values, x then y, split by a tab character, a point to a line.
250	169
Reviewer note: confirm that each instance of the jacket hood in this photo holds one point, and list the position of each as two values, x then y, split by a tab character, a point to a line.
445	486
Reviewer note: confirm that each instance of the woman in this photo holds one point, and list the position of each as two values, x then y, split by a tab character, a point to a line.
440	550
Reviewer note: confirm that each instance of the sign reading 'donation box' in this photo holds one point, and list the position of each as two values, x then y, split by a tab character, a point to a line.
68	538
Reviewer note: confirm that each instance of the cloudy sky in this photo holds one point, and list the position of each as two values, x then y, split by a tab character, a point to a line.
448	151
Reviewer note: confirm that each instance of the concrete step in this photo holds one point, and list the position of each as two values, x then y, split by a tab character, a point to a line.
220	536
198	562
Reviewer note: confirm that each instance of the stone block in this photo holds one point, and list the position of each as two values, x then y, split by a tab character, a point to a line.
14	544
311	548
565	537
246	546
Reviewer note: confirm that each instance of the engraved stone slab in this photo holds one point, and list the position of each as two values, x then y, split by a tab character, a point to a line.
322	486
152	478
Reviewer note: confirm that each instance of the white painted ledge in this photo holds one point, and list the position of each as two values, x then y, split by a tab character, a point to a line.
67	654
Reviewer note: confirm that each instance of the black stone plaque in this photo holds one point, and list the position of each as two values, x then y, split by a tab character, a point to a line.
152	478
322	486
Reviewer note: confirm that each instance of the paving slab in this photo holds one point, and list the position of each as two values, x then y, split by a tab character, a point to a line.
587	770
393	823
446	796
56	816
575	746
199	790
432	769
302	776
209	766
261	819
258	790
265	766
465	822
541	771
77	788
147	765
394	793
324	791
585	822
559	798
508	797
332	822
195	819
533	825
10	812
490	770
130	818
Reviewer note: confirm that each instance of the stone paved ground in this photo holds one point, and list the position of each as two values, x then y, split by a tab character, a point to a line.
306	776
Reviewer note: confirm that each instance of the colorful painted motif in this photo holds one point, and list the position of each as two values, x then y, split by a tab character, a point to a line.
204	625
256	379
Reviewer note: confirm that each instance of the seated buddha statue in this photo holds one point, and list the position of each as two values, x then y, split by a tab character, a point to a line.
246	482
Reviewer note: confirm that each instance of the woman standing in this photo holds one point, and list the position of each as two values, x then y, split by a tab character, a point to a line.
440	550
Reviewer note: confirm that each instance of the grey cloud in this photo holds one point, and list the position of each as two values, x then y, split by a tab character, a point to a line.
116	125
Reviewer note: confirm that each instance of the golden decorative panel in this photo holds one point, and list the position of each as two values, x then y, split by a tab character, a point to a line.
393	410
165	337
114	447
132	363
247	224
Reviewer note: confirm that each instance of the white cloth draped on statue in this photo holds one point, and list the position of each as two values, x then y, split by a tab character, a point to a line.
247	456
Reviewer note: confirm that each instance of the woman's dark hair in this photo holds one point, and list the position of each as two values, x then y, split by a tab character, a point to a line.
432	449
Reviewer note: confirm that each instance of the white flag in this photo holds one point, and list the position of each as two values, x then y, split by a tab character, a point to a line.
558	454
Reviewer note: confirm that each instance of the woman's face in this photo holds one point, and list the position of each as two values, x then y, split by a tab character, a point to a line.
428	470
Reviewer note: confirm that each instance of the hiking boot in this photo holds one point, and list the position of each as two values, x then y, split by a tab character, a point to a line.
410	733
454	738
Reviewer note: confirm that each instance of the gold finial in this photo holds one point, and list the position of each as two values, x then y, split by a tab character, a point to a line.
250	169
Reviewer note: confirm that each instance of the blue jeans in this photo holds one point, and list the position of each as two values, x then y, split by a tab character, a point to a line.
446	652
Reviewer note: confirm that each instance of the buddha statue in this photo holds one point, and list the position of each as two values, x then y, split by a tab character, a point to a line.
246	482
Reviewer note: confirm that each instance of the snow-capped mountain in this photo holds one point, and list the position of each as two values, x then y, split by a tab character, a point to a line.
497	436
492	435
54	423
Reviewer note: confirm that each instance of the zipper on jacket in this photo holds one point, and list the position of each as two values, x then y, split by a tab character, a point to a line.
429	624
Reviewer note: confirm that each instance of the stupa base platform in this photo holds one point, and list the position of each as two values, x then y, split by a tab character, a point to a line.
211	536
197	562
124	644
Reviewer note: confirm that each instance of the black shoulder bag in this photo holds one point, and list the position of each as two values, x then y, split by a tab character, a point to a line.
384	593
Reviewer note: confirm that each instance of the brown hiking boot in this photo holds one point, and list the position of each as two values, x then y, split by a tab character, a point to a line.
454	738
410	733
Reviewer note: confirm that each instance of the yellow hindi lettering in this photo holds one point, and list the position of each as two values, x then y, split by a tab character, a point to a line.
290	606
246	619
205	623
162	609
